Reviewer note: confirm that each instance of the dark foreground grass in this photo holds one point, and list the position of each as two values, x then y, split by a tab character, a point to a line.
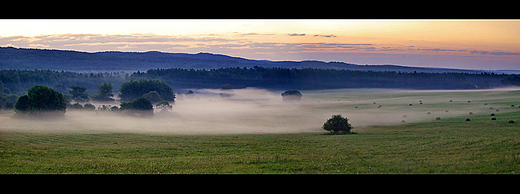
447	146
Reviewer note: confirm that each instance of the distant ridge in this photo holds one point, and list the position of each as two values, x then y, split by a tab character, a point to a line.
77	61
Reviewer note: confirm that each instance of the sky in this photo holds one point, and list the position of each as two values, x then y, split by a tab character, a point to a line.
464	44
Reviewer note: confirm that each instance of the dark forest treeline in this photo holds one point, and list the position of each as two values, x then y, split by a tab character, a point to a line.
19	81
311	78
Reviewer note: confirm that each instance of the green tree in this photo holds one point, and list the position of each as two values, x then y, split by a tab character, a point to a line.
89	106
337	125
291	95
153	96
137	88
41	101
164	106
189	94
226	91
139	106
78	93
105	92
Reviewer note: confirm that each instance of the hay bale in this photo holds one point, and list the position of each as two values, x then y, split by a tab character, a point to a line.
355	107
403	121
492	114
468	119
490	107
428	113
404	115
446	111
373	102
420	102
451	100
485	103
494	119
511	121
497	110
470	113
410	105
512	105
438	118
379	106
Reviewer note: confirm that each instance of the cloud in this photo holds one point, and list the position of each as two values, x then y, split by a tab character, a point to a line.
251	34
296	34
325	36
442	50
492	53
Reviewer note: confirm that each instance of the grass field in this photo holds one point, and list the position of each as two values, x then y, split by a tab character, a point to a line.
450	145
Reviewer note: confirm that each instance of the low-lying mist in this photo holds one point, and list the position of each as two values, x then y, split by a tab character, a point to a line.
257	111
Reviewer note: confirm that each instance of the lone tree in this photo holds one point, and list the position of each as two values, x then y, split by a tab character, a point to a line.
226	91
105	92
41	101
337	125
291	95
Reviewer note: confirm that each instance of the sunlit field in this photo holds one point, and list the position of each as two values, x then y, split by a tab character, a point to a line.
255	132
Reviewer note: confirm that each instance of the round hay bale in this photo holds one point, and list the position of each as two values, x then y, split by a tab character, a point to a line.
403	121
355	107
470	113
410	105
420	102
446	111
469	101
379	106
485	103
512	105
438	118
497	110
451	100
511	121
404	115
373	102
428	113
468	119
494	119
490	107
492	114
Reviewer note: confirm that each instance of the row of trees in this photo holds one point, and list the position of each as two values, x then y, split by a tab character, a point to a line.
311	78
19	81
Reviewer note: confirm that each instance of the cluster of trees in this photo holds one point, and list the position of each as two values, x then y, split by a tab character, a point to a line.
137	96
41	101
153	90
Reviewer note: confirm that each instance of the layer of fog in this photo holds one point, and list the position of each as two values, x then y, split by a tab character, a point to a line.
257	111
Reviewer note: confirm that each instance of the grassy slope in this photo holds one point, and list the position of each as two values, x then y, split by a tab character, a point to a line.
430	147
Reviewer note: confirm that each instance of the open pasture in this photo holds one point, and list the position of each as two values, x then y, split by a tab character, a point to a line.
289	140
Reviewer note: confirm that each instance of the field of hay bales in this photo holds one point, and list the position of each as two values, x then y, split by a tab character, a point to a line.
381	143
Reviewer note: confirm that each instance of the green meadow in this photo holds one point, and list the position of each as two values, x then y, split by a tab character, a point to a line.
379	145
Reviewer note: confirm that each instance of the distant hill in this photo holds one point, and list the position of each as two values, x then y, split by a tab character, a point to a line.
111	61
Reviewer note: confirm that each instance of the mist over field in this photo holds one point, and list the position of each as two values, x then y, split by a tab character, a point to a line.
258	111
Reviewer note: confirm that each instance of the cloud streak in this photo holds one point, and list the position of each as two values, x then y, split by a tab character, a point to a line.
492	53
